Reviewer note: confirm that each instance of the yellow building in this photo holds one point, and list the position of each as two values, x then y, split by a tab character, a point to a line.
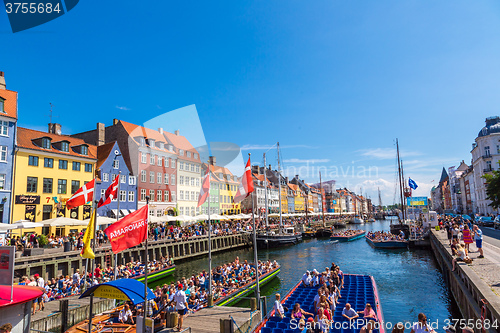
299	198
284	200
228	186
49	168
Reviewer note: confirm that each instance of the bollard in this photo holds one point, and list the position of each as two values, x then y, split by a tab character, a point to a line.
63	307
253	304
210	301
174	318
226	326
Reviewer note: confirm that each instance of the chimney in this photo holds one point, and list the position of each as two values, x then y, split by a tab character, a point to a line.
286	179
160	130
2	81
177	133
115	121
55	128
101	134
211	159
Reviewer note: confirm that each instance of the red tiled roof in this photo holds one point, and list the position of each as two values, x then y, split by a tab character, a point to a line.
103	153
10	103
136	130
180	142
26	136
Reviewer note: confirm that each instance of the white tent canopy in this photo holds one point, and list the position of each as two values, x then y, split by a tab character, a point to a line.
22	224
63	222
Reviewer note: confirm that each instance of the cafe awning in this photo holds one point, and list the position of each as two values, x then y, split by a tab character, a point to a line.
122	289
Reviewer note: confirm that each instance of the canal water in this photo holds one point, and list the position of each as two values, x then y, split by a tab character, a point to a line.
408	281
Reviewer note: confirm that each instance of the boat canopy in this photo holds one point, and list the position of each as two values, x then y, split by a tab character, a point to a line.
122	289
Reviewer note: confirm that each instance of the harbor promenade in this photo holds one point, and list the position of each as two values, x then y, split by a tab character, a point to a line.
475	287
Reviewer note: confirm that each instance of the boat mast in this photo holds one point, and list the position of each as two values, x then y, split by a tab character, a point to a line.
401	189
321	191
404	196
265	190
279	187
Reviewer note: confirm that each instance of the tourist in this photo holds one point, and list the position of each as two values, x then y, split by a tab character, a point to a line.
306	279
299	314
467	330
322	321
40	283
6	328
278	307
453	247
398	328
349	312
370	318
461	256
421	326
125	316
317	298
467	237
181	305
478	237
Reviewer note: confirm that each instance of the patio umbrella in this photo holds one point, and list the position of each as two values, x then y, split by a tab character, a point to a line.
64	222
21	224
101	220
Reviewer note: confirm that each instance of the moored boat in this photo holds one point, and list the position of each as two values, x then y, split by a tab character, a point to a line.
156	275
357	220
358	290
387	244
347	236
323	232
308	234
271	239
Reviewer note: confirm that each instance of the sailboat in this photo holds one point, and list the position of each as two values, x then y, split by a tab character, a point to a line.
396	228
284	236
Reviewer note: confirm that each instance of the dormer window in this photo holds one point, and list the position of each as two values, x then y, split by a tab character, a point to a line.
142	141
181	152
151	143
188	154
170	148
65	146
46	143
161	145
2	107
195	156
84	150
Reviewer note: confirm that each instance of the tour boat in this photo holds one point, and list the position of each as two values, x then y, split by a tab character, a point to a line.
156	275
389	244
267	240
357	220
358	290
323	232
359	234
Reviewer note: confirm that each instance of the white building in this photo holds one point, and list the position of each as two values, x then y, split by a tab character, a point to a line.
485	157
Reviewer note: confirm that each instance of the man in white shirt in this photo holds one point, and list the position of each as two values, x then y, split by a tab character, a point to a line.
306	279
125	315
181	305
76	277
40	283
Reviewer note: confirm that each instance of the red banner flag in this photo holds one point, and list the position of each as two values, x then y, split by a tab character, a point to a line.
246	184
110	194
82	196
130	231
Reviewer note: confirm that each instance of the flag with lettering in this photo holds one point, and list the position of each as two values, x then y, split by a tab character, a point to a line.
246	184
128	232
110	194
82	196
205	188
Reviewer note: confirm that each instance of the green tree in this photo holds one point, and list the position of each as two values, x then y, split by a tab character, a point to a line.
493	188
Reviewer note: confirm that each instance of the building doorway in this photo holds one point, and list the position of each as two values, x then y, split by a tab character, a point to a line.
47	212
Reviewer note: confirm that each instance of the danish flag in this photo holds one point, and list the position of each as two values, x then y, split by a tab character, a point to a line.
246	184
111	193
205	188
82	196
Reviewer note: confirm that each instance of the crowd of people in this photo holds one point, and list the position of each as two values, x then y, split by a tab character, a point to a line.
347	233
382	236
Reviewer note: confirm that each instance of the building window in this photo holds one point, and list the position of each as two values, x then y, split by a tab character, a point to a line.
152	143
32	185
152	159
144	158
4	127
488	166
195	156
172	179
116	164
63	164
88	167
181	165
181	195
151	195
181	209
123	196
105	177
166	178
46	143
181	180
62	185
2	105
131	196
188	154
160	160
131	180
151	177
172	164
84	150
174	197
166	162
159	177
143	194
143	176
48	162
2	181
162	145
75	186
166	196
65	146
487	151
142	141
197	181
33	160
192	196
47	185
103	192
158	195
181	152
76	166
192	181
123	179
192	167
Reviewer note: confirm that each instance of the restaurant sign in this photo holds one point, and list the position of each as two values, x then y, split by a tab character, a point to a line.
27	199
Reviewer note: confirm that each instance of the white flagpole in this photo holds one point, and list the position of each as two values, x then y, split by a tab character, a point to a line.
146	273
257	290
210	296
117	218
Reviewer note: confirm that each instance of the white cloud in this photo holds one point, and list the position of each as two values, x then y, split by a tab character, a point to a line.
298	160
386	153
124	108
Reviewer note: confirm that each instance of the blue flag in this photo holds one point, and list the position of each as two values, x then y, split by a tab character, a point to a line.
412	184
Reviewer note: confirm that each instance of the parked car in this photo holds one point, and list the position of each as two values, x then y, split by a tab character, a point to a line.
485	221
496	222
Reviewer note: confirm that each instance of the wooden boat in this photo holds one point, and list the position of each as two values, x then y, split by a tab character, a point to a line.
389	244
339	224
308	234
358	290
156	275
236	295
323	232
271	240
357	235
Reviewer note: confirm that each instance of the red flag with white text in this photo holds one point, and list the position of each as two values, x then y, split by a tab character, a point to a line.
128	232
82	196
205	188
111	193
246	184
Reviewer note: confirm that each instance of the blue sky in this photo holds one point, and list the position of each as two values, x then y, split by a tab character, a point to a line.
334	81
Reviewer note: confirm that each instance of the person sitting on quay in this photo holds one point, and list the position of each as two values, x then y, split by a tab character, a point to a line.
461	256
421	326
349	312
